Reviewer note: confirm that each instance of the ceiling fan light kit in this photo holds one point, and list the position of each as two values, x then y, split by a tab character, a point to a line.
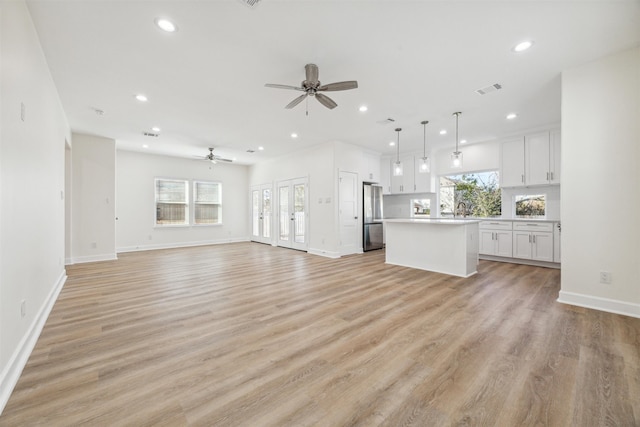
311	86
214	159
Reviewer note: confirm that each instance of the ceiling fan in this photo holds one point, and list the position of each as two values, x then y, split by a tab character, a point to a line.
214	158
311	87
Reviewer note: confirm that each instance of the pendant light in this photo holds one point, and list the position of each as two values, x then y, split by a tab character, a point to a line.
424	161
397	166
456	156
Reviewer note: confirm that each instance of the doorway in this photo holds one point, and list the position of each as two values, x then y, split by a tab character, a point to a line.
292	214
261	214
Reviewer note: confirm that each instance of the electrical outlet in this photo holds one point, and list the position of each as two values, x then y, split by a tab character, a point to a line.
23	111
23	308
94	245
605	277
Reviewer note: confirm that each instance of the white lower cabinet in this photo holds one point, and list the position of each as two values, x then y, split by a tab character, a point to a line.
533	241
496	238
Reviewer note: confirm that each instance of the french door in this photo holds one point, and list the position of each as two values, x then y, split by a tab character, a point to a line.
262	213
292	214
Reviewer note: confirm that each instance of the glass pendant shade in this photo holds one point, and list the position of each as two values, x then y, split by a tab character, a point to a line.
456	160
397	168
423	165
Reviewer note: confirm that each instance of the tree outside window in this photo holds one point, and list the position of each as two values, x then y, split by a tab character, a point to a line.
472	194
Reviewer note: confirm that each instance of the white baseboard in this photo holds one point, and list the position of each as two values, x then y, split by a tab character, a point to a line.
322	252
520	261
599	303
10	375
92	258
180	245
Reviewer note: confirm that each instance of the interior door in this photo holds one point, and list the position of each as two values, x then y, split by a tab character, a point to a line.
292	214
349	221
261	213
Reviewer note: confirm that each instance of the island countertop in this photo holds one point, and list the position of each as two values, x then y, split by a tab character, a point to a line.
440	245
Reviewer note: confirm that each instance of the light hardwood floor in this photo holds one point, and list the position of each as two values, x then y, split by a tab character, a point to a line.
247	334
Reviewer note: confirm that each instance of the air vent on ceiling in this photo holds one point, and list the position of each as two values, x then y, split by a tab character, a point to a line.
251	3
489	89
386	121
251	151
155	135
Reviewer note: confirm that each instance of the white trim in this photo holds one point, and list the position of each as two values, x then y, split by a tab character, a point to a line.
599	303
180	245
10	375
93	258
321	252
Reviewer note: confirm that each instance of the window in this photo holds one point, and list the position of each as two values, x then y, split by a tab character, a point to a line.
207	202
530	205
421	208
172	202
472	194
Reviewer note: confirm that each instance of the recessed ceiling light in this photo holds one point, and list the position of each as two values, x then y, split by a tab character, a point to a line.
522	46
261	148
145	146
166	25
392	143
155	129
511	116
463	141
140	97
294	135
234	159
363	108
443	132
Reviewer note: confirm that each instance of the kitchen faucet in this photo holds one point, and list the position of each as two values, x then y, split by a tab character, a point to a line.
464	209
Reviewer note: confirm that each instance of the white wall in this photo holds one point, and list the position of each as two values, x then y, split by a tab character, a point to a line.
135	203
600	183
31	191
316	163
93	207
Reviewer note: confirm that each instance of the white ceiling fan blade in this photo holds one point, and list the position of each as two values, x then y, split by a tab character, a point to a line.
283	86
296	101
326	101
351	84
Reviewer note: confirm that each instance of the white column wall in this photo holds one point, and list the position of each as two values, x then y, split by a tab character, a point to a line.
94	197
601	183
32	187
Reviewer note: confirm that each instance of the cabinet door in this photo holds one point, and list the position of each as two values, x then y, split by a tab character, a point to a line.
537	154
385	175
372	167
422	179
512	170
504	243
487	244
542	246
555	157
404	183
522	244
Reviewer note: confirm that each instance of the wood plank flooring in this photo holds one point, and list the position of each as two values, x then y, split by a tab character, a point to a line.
250	335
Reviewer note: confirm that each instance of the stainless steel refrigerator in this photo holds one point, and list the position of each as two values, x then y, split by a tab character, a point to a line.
372	217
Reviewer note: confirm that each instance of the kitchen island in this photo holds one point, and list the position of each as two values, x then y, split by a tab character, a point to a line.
447	246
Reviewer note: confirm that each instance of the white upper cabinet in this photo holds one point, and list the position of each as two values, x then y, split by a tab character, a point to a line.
385	175
512	171
532	160
372	166
404	183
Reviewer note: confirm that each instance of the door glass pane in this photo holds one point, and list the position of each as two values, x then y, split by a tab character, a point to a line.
284	213
255	213
266	213
298	205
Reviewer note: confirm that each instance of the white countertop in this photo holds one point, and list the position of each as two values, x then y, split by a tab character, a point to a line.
442	221
473	219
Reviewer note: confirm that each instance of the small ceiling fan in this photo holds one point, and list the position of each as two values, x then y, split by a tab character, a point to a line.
311	86
214	158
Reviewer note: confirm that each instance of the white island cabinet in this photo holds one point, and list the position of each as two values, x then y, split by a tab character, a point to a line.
440	245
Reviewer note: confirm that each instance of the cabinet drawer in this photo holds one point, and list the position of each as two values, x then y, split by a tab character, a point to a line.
495	225
533	226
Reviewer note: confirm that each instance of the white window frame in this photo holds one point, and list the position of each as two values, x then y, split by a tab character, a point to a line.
186	203
196	203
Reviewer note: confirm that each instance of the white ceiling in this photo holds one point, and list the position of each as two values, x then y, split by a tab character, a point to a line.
413	60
